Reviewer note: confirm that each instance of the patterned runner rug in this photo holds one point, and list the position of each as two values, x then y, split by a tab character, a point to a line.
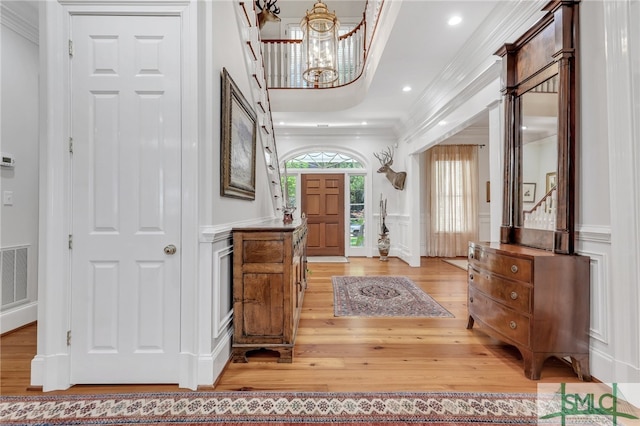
444	408
383	296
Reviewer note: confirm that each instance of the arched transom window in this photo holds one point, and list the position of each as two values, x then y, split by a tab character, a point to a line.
323	160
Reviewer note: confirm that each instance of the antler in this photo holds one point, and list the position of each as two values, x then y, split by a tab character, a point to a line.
387	157
270	5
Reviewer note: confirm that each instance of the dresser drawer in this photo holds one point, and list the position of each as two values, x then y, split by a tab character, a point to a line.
507	266
506	321
514	294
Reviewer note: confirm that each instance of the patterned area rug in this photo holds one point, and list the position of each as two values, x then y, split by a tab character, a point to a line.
442	408
383	296
460	263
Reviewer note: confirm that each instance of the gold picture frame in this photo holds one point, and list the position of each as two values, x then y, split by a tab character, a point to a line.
238	143
552	181
488	192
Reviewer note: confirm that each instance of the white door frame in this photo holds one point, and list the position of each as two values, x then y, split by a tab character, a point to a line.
50	368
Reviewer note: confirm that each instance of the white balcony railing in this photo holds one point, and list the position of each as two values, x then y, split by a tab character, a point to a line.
283	58
543	214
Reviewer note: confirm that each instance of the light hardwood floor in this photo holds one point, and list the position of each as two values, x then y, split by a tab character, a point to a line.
352	354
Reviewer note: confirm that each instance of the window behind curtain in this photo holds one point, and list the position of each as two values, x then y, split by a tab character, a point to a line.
452	199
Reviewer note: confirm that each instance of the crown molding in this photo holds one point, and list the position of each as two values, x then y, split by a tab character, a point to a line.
21	17
472	67
421	124
346	134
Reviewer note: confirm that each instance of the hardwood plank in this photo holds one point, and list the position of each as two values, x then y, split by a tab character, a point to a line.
351	354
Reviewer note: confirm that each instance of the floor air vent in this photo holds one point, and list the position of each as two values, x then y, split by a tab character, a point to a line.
14	276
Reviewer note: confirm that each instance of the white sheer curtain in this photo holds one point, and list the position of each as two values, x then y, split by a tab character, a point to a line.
452	199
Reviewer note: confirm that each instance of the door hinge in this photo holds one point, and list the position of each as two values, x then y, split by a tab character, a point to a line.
69	338
70	48
70	241
71	145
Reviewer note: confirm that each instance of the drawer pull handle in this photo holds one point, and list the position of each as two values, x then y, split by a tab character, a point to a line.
471	299
470	255
514	268
513	325
471	277
514	295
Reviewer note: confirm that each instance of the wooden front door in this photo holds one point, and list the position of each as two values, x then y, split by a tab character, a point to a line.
323	203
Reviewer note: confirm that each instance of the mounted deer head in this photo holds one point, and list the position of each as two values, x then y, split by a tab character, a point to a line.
268	12
396	178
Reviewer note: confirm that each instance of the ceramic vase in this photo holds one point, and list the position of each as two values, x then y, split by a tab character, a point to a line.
384	243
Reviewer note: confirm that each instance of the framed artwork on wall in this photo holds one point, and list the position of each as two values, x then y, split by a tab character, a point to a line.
488	192
528	192
552	180
238	143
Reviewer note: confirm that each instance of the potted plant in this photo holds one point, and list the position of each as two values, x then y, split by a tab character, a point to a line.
384	244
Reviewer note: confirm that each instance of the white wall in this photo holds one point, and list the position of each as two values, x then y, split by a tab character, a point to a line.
609	185
541	158
19	136
229	51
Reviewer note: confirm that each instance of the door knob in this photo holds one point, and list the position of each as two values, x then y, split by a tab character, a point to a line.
170	249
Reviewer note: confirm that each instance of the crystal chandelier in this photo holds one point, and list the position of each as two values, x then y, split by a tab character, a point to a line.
320	45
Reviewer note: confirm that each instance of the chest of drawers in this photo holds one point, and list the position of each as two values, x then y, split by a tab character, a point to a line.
269	280
533	299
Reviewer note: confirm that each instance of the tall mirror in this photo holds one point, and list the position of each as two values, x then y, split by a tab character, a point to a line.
539	93
539	135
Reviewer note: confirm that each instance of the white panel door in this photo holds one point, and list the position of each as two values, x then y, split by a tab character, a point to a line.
126	118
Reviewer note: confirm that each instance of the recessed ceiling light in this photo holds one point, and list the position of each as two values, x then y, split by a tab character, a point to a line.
364	123
406	89
442	122
454	20
524	127
282	123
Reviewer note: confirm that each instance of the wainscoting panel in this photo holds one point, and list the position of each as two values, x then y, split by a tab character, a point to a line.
222	297
403	226
600	309
484	227
216	302
595	242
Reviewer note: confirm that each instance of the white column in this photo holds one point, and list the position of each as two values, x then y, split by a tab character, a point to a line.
50	367
496	157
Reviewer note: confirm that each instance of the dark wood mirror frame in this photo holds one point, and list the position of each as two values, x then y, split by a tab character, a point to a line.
547	49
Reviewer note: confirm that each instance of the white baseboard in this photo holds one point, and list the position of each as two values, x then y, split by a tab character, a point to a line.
221	354
52	372
18	317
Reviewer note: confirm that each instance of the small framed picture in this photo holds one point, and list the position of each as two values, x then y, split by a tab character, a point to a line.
488	192
552	180
528	192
